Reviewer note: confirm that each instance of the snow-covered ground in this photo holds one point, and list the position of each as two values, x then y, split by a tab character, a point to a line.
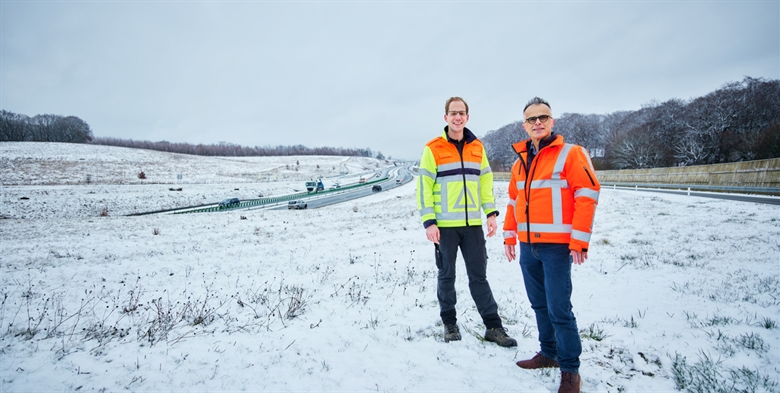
679	292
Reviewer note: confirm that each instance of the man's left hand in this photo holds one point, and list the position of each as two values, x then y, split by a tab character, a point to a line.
492	226
577	257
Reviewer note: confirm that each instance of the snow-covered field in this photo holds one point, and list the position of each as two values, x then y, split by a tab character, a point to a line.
679	292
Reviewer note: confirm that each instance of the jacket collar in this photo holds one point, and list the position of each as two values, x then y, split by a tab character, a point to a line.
468	136
551	140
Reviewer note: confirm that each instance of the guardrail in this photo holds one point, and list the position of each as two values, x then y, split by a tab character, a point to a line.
696	187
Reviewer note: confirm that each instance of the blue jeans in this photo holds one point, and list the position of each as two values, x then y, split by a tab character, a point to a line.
547	275
471	241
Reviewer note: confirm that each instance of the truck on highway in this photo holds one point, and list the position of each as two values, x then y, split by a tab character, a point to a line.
315	186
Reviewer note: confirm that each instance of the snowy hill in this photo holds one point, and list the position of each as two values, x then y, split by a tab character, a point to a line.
80	180
679	292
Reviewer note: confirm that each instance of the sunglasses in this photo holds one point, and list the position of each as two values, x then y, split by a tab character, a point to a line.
542	118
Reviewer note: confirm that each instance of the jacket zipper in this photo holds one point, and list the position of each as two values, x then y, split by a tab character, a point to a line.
589	176
465	189
527	190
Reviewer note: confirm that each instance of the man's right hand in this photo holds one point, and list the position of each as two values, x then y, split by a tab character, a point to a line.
432	232
509	250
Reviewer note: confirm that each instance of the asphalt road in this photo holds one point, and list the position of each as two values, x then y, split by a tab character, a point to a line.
393	174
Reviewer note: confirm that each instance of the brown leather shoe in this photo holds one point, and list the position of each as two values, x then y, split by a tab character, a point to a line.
570	383
538	361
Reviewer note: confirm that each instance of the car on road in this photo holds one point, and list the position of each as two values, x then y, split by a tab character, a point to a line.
398	181
297	204
376	188
229	202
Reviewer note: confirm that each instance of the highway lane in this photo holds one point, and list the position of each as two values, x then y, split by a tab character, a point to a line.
316	201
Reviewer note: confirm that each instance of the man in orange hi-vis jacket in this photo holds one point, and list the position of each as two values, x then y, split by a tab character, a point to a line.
553	193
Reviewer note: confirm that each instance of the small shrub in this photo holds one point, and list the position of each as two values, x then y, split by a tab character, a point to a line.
707	375
155	231
768	323
752	341
593	332
355	208
104	212
142	175
632	323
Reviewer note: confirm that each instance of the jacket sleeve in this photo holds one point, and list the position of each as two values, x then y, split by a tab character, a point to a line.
510	220
486	187
425	181
586	188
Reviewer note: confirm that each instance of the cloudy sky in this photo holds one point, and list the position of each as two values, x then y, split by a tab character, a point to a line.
363	74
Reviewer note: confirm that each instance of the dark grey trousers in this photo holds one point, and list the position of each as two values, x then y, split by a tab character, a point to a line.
471	241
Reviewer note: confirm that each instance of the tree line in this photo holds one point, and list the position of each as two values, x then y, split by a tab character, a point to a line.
56	128
233	150
738	122
43	128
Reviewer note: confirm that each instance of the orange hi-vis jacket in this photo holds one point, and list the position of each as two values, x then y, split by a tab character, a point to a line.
554	200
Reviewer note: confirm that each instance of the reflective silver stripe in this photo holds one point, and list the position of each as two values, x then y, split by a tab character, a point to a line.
427	173
557	205
479	189
581	236
512	203
427	210
457	165
561	161
486	170
520	185
550	184
551	228
421	191
461	204
458	216
587	155
472	165
587	192
510	234
488	206
448	167
557	189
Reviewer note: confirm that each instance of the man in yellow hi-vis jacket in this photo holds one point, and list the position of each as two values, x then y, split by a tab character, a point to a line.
454	183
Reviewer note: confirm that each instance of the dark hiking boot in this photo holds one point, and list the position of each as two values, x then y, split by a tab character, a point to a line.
538	361
451	333
499	336
570	383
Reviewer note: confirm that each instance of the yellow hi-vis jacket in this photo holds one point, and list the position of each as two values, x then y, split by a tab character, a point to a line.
451	188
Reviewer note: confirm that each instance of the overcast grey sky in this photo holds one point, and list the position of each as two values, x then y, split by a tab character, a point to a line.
364	73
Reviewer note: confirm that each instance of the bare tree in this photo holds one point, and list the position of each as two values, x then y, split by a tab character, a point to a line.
14	127
498	145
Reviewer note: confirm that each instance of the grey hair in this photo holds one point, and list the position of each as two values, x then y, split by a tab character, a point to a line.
536	101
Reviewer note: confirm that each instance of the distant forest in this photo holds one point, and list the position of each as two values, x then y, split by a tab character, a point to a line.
738	122
43	128
71	129
231	150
